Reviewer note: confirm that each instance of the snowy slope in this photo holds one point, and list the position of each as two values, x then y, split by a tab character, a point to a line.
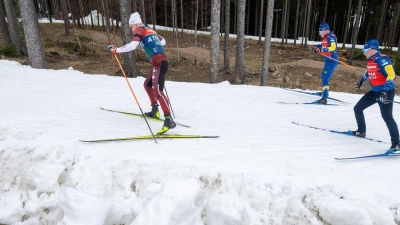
261	170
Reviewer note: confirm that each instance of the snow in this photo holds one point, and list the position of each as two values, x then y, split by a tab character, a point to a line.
262	169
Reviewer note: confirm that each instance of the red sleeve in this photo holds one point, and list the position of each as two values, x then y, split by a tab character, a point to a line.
138	34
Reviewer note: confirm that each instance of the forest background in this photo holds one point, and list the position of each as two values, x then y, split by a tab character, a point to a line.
92	25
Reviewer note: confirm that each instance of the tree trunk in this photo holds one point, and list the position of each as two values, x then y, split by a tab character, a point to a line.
395	22
239	67
287	21
201	14
356	29
267	45
296	26
304	20
226	36
173	17
48	15
165	13
129	57
56	9
3	27
91	19
397	64
235	19
381	21
326	9
64	11
222	17
196	18
154	15
81	13
261	22
308	22
134	6
13	26
181	19
143	14
107	15
214	46
37	58
283	22
346	25
247	19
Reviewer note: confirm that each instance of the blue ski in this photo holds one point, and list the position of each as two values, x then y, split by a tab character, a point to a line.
339	132
313	93
386	154
307	103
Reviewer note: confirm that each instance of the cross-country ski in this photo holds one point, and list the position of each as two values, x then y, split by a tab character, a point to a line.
143	137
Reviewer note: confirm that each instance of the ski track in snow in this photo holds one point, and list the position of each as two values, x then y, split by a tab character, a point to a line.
261	170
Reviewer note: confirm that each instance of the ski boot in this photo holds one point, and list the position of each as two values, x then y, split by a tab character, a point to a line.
168	124
154	113
322	101
357	133
395	148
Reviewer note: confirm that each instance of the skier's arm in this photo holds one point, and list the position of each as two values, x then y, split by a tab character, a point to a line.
331	45
137	37
128	47
362	80
162	40
387	66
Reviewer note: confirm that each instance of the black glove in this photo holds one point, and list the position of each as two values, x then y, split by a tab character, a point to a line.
383	97
358	85
111	48
314	49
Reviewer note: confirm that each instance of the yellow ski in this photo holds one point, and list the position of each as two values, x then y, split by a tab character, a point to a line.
140	115
151	137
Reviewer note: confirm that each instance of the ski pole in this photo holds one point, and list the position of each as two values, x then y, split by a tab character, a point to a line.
343	63
169	102
351	62
388	101
133	93
336	60
112	59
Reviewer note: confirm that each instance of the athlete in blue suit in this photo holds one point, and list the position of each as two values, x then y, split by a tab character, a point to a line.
328	48
381	75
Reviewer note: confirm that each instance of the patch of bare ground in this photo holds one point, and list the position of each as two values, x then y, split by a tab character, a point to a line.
291	65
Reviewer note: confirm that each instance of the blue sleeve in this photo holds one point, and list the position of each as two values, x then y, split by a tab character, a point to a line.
382	63
331	44
389	85
364	78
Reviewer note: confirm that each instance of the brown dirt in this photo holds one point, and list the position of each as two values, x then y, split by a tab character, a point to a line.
291	66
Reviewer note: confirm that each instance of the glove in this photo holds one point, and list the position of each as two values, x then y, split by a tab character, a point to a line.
325	50
112	48
383	97
358	85
314	49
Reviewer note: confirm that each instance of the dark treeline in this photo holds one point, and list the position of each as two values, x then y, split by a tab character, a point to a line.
378	18
353	21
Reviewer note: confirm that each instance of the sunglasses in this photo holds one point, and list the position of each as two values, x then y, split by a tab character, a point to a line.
365	50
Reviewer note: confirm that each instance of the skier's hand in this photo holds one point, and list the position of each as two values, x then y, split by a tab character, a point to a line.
314	49
358	85
112	48
325	50
383	97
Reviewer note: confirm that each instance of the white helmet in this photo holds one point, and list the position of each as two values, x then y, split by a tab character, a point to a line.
135	19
